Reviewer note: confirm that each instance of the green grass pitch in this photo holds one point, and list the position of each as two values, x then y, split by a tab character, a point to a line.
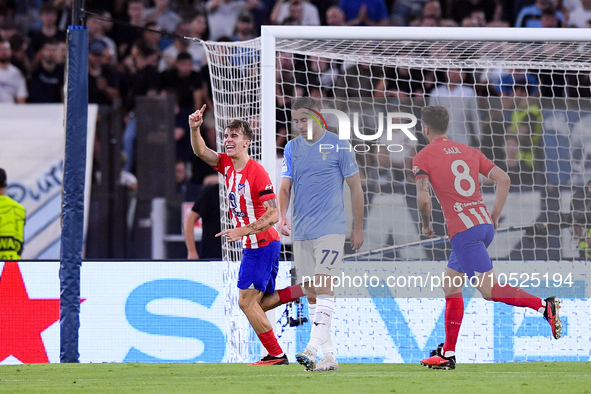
538	377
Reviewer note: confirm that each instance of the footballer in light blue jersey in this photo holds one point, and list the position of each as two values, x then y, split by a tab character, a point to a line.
317	171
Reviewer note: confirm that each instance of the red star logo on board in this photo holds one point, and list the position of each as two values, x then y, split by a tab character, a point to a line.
22	319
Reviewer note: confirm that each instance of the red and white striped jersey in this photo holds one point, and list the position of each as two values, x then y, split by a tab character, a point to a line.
453	169
247	190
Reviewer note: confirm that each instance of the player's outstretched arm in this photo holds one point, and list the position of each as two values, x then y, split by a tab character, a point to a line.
197	142
503	184
189	237
424	205
357	236
284	196
269	218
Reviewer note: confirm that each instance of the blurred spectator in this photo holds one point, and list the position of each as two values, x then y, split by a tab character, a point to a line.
47	78
506	81
395	158
144	81
206	208
102	79
179	45
581	15
19	45
223	15
26	14
520	172
49	28
459	97
8	29
125	35
244	29
96	33
153	37
188	89
550	19
432	9
530	16
198	26
161	13
302	11
183	186
526	125
13	86
581	220
12	232
321	73
464	8
365	12
404	83
404	11
335	16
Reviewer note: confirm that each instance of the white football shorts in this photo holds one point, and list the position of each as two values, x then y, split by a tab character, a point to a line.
322	255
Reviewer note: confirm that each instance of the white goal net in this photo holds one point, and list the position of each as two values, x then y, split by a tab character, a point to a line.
521	96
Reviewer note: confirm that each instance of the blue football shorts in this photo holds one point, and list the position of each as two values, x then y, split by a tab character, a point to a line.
259	267
469	254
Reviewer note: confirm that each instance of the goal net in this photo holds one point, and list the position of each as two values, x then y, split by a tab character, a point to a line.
519	95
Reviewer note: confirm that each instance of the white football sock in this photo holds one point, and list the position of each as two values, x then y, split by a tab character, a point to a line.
321	324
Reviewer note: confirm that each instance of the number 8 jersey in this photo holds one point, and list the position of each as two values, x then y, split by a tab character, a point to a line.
453	169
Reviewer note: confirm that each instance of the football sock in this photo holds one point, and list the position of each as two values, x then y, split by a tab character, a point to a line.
326	346
270	343
321	324
290	294
512	295
311	312
454	313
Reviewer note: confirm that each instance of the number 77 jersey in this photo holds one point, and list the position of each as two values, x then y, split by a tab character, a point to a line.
453	169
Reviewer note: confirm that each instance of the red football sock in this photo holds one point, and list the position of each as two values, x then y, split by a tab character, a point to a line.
515	296
454	313
270	343
290	294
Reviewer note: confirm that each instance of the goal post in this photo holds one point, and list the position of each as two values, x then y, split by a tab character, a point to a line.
536	78
483	51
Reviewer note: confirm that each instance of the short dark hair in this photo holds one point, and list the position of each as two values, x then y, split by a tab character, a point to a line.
436	117
304	102
47	7
184	56
243	125
2	178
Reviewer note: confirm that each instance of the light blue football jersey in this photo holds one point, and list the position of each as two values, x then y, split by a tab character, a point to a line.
318	171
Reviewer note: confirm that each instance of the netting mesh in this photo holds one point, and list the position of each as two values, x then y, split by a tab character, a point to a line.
523	104
235	77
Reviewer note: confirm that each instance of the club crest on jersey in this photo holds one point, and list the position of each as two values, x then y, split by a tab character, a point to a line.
240	190
452	150
233	200
324	154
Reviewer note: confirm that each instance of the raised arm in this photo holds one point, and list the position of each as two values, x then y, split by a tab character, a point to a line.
424	205
503	184
357	236
197	142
